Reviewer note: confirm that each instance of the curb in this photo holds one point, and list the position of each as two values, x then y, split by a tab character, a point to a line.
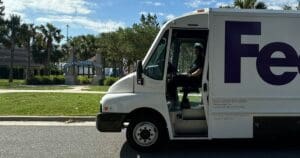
49	118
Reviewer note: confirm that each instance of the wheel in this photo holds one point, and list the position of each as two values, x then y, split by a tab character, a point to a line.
145	134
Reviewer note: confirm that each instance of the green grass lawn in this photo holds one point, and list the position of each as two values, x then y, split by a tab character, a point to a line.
97	88
4	83
195	98
20	84
49	104
29	87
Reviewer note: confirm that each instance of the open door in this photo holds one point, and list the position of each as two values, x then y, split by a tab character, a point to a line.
186	109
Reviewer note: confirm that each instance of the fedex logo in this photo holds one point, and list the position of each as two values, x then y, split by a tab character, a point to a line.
235	51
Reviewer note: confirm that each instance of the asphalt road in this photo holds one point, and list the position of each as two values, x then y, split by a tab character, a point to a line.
85	141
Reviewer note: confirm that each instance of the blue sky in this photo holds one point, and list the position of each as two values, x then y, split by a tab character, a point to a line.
97	16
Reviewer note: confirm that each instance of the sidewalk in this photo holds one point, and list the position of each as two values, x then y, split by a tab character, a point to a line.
48	91
75	89
49	118
63	91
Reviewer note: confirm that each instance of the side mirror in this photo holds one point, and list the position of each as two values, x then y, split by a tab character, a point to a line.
139	72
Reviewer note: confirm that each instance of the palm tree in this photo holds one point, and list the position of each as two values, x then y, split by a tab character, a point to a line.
287	7
10	38
27	32
249	4
50	34
2	7
2	21
260	5
86	46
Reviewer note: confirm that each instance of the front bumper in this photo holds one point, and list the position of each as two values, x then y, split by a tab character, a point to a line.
110	122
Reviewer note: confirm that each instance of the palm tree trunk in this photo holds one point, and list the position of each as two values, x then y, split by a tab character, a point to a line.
11	67
128	67
49	51
103	67
89	72
120	72
28	70
114	68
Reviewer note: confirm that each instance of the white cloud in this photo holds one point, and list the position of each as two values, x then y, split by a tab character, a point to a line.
198	3
272	4
277	5
219	4
61	11
170	16
273	7
152	13
54	6
94	25
163	15
154	3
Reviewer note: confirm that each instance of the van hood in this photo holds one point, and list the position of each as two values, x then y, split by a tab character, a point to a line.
123	85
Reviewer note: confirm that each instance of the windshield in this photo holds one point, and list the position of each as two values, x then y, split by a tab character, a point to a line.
155	66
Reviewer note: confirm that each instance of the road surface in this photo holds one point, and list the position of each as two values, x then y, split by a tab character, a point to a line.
31	140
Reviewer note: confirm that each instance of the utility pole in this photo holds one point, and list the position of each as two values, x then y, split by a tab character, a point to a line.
71	76
68	32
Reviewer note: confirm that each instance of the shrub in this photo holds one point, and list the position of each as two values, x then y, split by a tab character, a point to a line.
84	80
101	82
45	80
58	79
110	80
36	80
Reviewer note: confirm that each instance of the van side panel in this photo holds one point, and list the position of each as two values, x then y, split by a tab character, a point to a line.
254	60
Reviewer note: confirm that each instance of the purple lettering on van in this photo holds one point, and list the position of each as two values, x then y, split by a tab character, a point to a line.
235	50
264	63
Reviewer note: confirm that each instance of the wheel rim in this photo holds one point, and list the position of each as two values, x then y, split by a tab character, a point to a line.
145	134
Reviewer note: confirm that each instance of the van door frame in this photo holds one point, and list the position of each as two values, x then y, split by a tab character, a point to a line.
204	80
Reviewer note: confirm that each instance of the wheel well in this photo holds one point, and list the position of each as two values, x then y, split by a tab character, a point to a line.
144	112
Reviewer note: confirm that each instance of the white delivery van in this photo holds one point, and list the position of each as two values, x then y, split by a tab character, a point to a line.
250	80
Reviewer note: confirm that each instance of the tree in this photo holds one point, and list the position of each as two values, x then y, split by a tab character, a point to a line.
2	7
112	47
50	35
27	32
2	22
126	45
86	46
287	7
65	50
10	39
140	37
38	49
249	4
260	5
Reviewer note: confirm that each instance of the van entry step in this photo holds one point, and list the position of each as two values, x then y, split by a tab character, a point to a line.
191	127
193	114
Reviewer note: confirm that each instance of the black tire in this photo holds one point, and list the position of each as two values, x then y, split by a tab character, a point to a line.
133	131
